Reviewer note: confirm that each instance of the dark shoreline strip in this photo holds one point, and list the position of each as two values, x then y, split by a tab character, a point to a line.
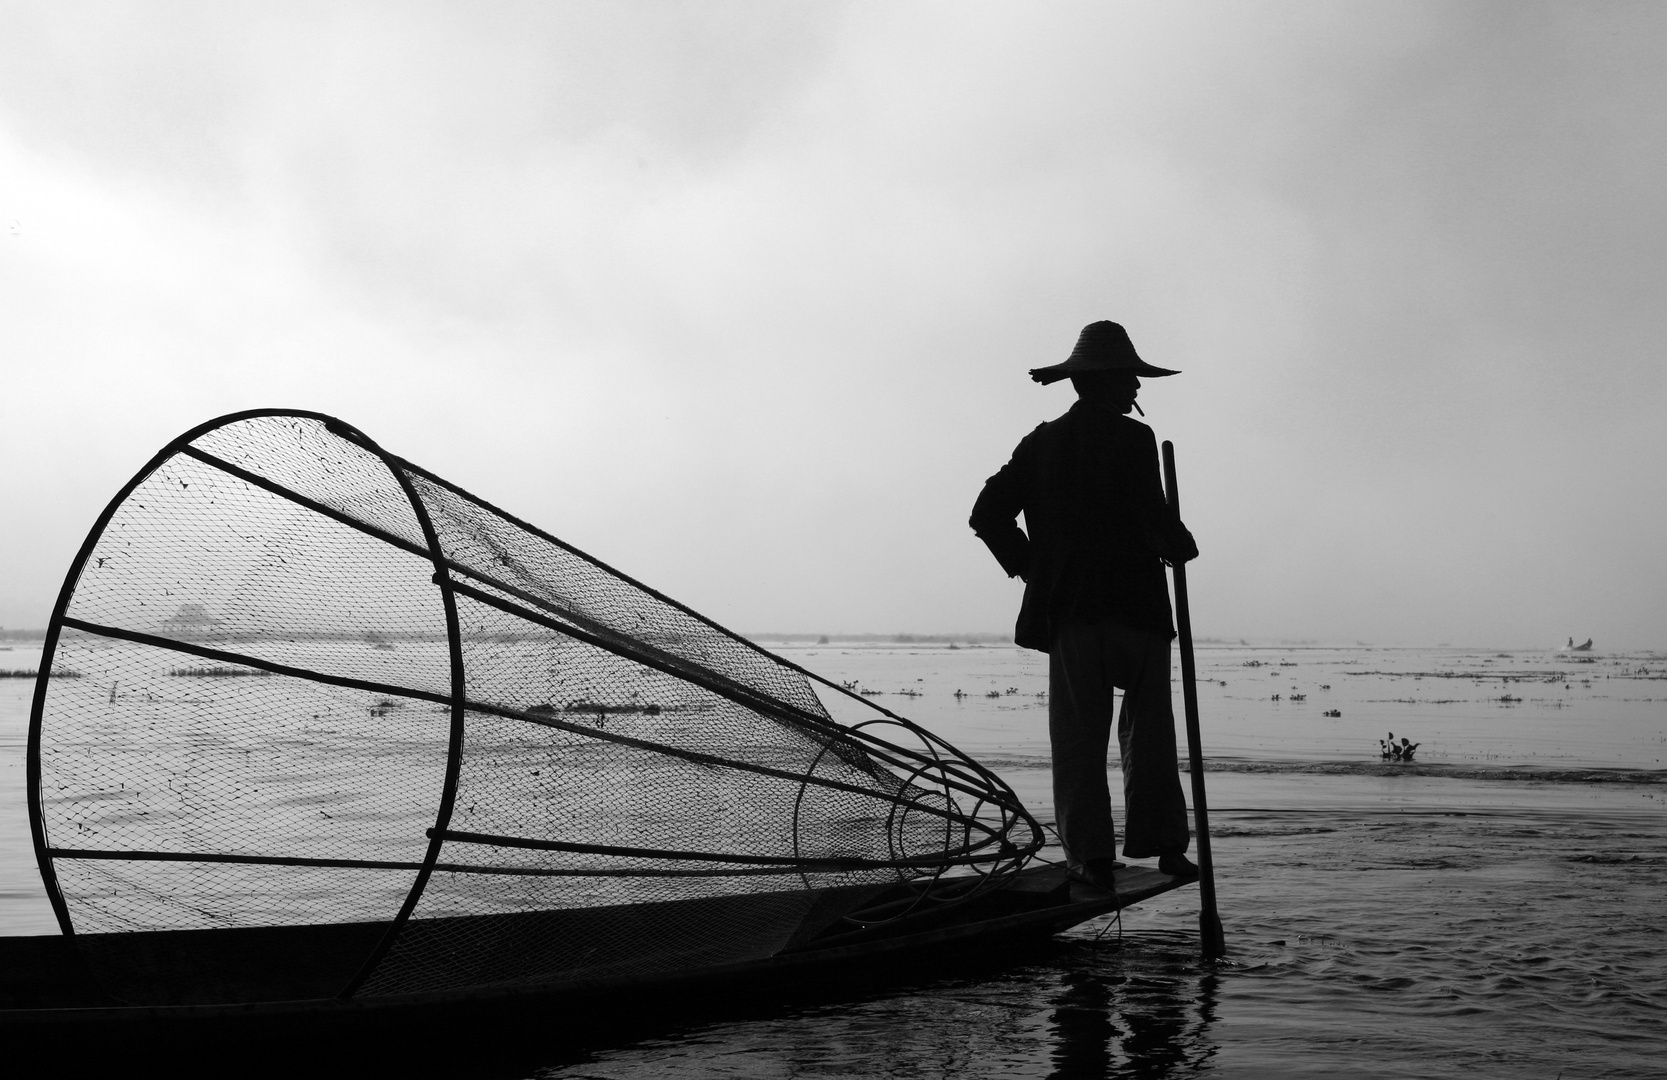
1446	772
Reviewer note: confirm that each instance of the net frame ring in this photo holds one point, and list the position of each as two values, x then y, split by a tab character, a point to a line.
896	909
989	786
925	887
950	813
984	872
848	737
183	445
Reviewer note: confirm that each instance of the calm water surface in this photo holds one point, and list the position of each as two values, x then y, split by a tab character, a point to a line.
1494	910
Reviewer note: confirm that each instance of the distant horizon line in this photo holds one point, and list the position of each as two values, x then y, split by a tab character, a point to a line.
982	637
986	637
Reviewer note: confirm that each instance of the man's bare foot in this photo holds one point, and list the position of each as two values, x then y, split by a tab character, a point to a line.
1177	865
1100	873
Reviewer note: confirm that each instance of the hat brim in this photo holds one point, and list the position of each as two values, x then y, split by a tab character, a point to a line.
1056	372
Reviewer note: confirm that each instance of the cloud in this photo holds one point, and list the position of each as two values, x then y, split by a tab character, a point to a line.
741	296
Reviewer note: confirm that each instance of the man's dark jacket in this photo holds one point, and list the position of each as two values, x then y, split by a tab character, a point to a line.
1087	484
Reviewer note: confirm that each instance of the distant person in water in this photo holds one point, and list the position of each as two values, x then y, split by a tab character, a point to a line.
1096	601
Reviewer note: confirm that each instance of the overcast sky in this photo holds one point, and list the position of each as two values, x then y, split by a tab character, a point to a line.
740	297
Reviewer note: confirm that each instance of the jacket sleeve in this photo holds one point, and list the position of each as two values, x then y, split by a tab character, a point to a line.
995	516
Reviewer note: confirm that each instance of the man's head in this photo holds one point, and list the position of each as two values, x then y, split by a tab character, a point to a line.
1101	347
1113	389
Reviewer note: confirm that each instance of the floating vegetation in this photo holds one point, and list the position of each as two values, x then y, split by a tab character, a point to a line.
1253	663
1401	752
1417	701
1477	676
31	673
584	706
217	672
599	711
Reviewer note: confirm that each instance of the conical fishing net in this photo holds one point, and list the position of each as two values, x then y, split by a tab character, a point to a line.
294	681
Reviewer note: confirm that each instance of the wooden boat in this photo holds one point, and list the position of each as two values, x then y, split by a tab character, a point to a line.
325	747
271	987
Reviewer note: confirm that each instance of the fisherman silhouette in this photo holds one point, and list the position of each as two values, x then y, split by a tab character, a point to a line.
1096	600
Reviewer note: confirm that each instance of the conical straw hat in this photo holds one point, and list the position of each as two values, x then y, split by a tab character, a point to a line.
1102	346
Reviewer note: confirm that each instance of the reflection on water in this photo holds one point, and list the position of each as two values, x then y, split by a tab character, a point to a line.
1141	1010
1083	1006
1373	943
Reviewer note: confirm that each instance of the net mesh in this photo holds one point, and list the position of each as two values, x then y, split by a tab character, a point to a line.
295	709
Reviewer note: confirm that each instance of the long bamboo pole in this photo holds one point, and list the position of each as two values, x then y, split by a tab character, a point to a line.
1210	936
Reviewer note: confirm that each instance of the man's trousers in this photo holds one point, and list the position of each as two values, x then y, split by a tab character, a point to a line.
1088	661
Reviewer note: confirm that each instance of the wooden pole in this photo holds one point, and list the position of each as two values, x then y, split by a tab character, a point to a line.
1209	923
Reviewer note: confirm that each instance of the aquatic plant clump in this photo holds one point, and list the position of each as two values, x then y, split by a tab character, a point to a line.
319	685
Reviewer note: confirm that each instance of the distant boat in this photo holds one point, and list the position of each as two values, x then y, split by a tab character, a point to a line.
1572	647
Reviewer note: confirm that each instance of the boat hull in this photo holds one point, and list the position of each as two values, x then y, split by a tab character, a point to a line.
54	1012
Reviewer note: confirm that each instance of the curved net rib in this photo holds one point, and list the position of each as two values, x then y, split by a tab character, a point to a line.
486	759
